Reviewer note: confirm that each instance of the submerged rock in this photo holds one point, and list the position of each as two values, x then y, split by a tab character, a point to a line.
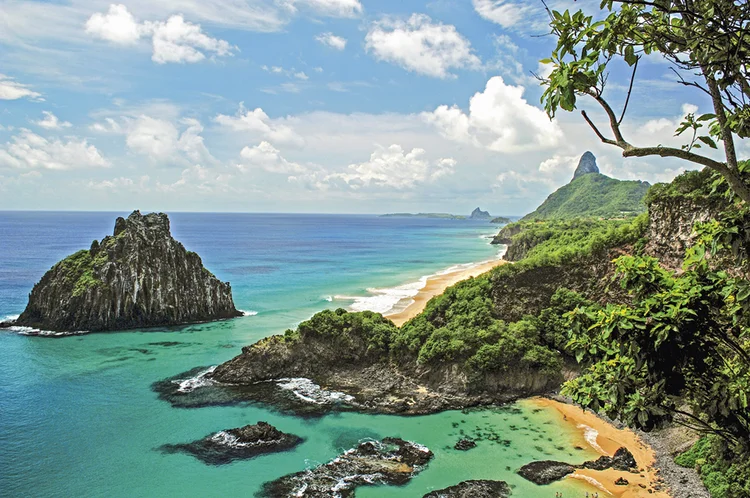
235	444
473	489
391	461
465	444
138	277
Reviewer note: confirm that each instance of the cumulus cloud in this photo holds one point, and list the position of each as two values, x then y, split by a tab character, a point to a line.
174	40
503	12
51	122
420	45
388	168
10	89
330	40
120	183
161	140
499	119
118	26
268	158
27	150
333	8
257	122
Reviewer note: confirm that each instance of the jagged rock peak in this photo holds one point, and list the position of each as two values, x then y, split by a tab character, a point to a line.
138	277
478	214
586	165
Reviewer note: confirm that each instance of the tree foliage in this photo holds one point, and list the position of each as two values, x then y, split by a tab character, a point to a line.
705	41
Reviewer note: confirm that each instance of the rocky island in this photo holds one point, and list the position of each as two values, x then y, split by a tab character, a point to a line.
478	214
140	276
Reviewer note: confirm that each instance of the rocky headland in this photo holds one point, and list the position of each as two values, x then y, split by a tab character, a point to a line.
138	277
548	471
391	461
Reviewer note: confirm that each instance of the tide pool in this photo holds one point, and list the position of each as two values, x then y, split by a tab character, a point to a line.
78	416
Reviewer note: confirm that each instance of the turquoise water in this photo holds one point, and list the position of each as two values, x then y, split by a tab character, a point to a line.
78	416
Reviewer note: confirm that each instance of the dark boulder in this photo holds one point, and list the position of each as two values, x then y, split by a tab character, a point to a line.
465	444
473	489
545	471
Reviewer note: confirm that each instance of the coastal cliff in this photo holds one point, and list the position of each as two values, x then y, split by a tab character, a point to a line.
138	277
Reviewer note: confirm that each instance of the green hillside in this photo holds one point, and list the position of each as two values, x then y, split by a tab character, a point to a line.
593	195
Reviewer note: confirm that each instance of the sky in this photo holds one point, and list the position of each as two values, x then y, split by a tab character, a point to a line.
325	106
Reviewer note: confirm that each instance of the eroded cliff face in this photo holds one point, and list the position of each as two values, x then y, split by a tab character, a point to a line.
670	227
138	277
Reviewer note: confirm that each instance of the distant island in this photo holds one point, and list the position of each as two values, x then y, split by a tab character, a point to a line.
501	220
478	214
446	216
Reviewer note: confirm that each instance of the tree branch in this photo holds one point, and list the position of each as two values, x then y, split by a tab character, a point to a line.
596	130
630	90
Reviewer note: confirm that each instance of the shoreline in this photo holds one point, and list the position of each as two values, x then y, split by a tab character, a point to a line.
605	438
436	285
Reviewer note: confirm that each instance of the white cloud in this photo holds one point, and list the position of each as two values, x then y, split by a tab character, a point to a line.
109	125
334	8
27	150
388	168
499	119
161	140
301	76
174	40
331	40
420	45
13	90
114	184
503	12
257	122
51	122
118	25
267	157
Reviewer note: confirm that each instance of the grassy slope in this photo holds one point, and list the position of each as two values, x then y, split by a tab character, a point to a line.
593	195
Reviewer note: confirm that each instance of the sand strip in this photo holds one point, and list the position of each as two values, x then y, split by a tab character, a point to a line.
436	285
606	440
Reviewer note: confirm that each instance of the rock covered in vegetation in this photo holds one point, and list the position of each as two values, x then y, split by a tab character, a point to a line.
235	444
138	277
473	489
586	165
478	214
501	220
391	461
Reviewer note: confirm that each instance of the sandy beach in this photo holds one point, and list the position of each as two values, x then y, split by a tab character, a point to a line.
435	286
608	439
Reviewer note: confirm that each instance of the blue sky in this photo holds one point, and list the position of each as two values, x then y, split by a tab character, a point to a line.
349	106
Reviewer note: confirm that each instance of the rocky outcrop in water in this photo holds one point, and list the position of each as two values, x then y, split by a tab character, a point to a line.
478	214
473	489
586	165
391	461
236	444
138	277
548	471
464	444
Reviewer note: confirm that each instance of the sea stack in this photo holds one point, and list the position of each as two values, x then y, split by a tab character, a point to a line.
478	214
138	277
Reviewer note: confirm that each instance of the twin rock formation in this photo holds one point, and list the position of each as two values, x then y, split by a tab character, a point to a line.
138	277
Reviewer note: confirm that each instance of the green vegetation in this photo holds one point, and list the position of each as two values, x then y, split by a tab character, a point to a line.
593	196
725	475
501	220
78	269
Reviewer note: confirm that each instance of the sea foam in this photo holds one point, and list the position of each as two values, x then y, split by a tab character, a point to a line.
309	392
193	383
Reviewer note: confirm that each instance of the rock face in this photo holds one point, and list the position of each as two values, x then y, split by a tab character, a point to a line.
235	444
391	461
586	165
478	214
138	277
473	489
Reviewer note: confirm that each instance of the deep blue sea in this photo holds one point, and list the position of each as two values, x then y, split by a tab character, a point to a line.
78	416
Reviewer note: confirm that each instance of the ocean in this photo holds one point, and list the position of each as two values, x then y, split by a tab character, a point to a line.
78	416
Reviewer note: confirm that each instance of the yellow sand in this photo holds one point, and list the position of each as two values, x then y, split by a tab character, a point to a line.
608	441
435	286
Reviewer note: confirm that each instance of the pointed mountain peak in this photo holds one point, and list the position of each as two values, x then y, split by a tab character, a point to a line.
586	165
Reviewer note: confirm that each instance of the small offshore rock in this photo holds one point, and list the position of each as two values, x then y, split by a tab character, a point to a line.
621	481
624	461
473	489
391	461
236	444
465	444
545	471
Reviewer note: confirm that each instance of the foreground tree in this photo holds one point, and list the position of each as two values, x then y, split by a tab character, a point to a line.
706	40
